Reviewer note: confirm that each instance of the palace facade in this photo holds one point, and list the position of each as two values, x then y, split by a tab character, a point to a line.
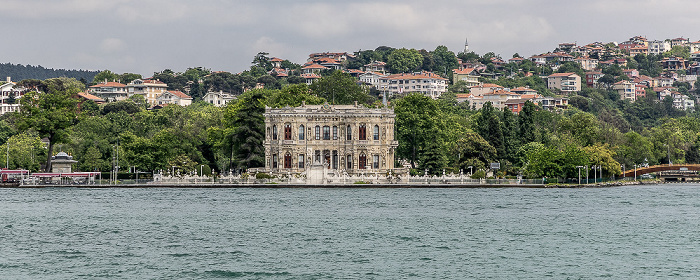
344	138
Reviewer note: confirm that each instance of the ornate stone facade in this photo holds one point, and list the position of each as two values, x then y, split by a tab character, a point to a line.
345	138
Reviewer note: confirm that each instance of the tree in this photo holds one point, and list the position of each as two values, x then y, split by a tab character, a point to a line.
445	61
340	88
293	96
475	151
526	123
128	77
263	61
419	121
404	60
433	158
105	76
249	131
50	113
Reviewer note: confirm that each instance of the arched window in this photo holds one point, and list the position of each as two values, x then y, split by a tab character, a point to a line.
335	132
363	132
274	132
348	133
287	132
287	160
301	161
376	132
348	161
375	161
274	161
317	132
301	132
362	163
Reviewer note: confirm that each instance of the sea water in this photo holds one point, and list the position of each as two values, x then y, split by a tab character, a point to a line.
636	232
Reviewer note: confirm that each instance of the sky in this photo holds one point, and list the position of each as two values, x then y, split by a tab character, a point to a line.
148	36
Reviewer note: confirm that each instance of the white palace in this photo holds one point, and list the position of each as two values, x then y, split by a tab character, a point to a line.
350	139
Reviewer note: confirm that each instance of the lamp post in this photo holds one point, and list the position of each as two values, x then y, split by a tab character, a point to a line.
595	175
635	172
623	171
471	171
579	173
586	174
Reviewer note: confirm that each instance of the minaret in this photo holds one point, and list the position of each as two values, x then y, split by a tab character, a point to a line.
466	45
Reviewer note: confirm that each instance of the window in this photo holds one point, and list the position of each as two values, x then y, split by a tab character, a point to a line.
375	161
348	133
363	132
274	132
287	132
334	162
300	160
274	160
318	132
376	132
287	160
348	162
362	162
301	132
326	132
317	156
335	132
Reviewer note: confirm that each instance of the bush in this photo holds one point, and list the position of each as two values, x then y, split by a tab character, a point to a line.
263	176
479	174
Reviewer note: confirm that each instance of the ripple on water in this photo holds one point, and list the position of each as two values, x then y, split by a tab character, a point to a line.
643	233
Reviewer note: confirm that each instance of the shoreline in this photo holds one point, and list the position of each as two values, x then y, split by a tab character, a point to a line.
349	186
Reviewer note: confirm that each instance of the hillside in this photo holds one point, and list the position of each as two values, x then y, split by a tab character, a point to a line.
20	72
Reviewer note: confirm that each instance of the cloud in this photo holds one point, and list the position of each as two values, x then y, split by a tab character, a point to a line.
269	45
112	45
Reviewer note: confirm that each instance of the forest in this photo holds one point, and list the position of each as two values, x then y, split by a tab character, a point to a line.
20	72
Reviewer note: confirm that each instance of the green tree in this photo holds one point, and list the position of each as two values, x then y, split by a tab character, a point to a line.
419	121
293	96
473	150
249	132
404	60
105	75
340	88
445	61
526	123
50	113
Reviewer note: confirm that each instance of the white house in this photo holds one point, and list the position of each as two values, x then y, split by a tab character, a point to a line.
218	99
174	97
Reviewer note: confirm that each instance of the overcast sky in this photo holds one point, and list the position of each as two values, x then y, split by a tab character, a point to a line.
145	36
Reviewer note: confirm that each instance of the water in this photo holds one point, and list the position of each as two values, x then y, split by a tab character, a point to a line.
641	232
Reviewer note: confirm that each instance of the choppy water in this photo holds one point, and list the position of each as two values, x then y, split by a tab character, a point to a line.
647	232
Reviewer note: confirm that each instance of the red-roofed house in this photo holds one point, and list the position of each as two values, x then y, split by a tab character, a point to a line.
376	66
587	63
276	62
566	82
626	90
148	88
468	75
313	68
484	89
174	97
84	96
109	91
310	77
